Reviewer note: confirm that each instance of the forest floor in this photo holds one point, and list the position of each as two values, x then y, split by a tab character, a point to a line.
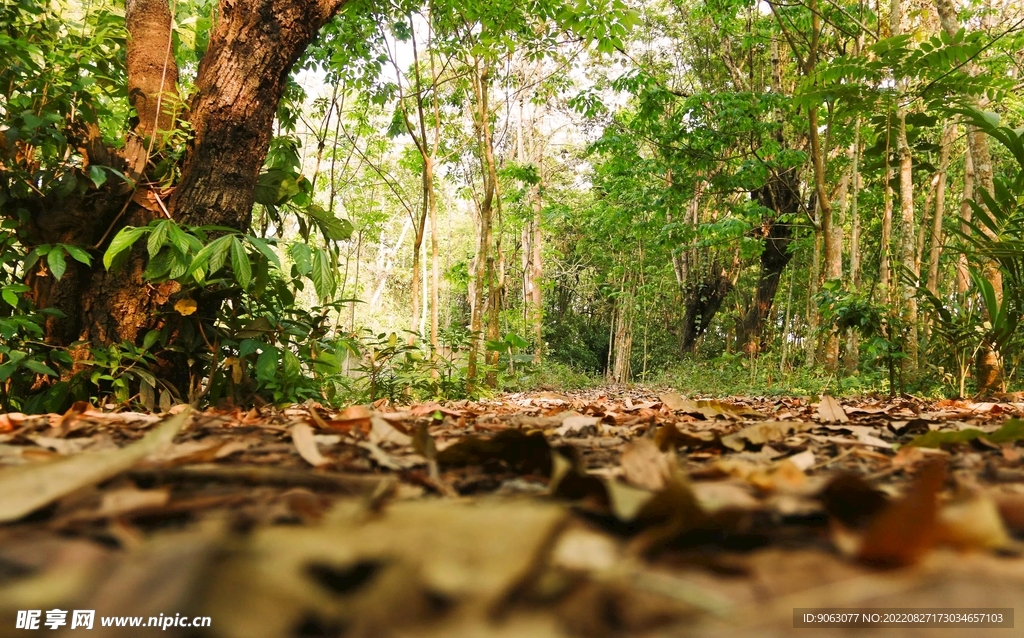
609	512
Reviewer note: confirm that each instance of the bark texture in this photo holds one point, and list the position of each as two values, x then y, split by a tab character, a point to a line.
240	82
239	85
782	195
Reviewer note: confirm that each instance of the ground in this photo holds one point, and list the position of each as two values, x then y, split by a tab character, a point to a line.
610	512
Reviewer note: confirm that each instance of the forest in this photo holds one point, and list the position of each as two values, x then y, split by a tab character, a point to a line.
439	201
566	317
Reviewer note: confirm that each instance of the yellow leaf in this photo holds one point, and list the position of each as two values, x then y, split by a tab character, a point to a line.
185	307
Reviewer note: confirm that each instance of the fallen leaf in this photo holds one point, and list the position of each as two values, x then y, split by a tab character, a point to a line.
669	435
382	431
973	523
1012	430
907	528
804	460
26	488
830	411
644	465
578	425
521	451
127	500
305	444
354	417
762	433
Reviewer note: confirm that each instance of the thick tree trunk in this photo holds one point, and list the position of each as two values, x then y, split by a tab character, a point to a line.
782	195
702	302
239	85
152	80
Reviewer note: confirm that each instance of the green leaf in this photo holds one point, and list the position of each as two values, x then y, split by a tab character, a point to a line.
78	254
39	367
266	364
334	228
150	339
97	175
210	258
291	366
240	263
301	255
322	274
265	249
158	237
56	262
122	241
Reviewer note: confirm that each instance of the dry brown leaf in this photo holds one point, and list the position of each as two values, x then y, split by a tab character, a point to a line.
973	523
762	433
644	465
382	431
118	502
354	417
305	444
669	435
578	425
907	528
26	488
830	411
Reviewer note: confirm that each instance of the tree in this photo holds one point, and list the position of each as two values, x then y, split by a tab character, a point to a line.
241	79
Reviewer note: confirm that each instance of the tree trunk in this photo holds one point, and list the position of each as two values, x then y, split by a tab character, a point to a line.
239	84
908	299
238	87
782	195
989	364
963	276
484	258
830	231
852	356
935	245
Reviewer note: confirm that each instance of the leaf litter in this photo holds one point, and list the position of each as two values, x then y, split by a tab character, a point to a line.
614	512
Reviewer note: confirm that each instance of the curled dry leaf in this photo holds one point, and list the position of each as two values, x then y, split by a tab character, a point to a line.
382	431
305	444
669	435
354	417
519	450
578	425
973	522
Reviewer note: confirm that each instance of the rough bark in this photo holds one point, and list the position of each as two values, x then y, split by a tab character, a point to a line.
238	87
152	79
782	195
240	80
